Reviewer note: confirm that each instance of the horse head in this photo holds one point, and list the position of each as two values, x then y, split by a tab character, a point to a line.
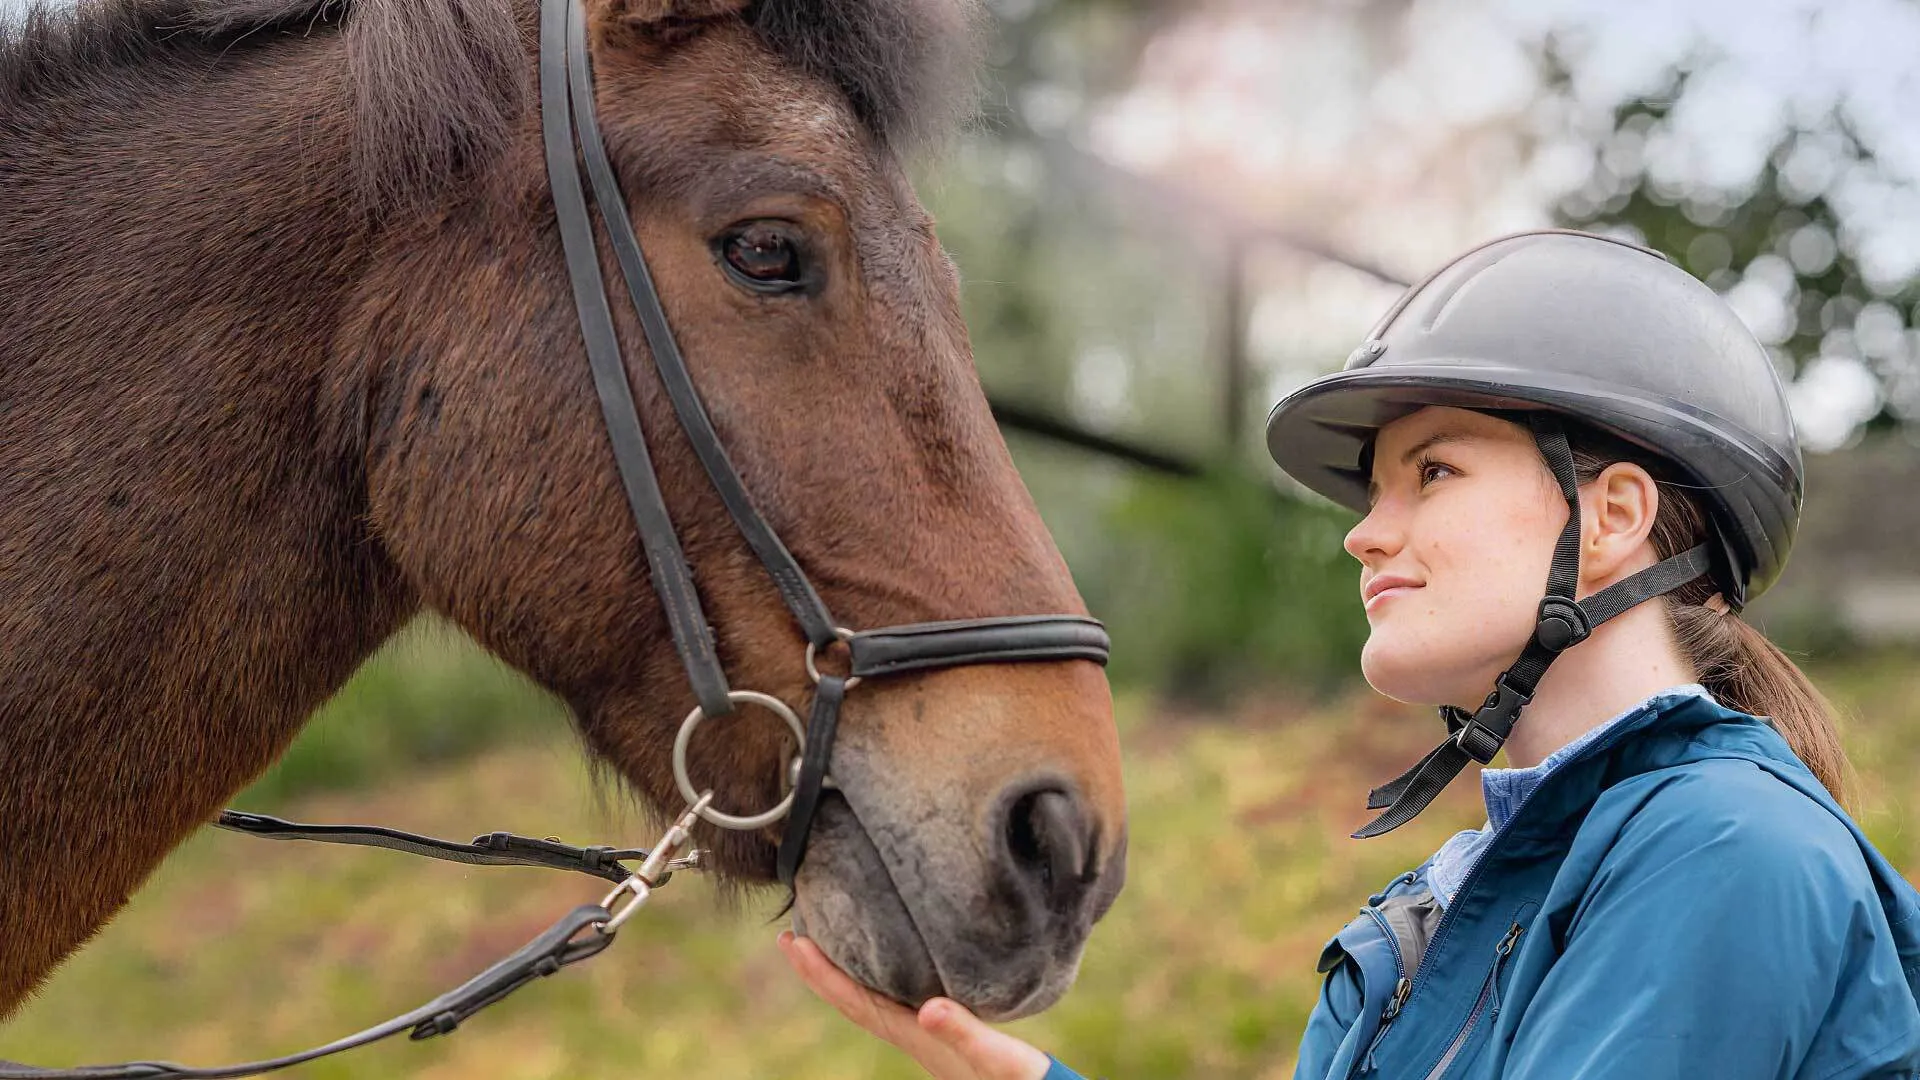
975	829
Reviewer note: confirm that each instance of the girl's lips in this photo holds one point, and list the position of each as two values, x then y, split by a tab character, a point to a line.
1384	595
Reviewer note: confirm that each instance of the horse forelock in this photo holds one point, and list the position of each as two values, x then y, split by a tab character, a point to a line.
908	67
437	87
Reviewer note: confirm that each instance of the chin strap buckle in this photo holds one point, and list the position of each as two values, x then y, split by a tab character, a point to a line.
1481	734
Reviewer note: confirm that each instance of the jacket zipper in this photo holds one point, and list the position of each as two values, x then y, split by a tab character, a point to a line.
1489	990
1393	943
1400	991
1401	988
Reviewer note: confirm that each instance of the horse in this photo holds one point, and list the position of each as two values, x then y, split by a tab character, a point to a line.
290	358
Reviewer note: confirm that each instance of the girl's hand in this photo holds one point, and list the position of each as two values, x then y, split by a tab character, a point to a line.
947	1040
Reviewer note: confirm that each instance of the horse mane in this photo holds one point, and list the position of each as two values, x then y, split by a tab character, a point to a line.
438	86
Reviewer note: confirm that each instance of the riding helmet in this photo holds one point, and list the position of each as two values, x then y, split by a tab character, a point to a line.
1608	333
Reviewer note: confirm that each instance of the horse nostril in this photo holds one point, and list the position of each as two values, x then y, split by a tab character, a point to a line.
1050	844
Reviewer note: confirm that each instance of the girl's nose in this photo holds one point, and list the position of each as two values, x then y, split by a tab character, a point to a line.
1378	535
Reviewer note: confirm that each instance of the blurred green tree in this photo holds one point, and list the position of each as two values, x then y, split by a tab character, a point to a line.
1221	585
1089	304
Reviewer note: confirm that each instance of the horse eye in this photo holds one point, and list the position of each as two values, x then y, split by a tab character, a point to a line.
763	256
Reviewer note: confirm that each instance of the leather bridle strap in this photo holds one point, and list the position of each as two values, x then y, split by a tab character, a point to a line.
902	650
568	941
492	849
566	81
896	650
666	561
811	782
794	588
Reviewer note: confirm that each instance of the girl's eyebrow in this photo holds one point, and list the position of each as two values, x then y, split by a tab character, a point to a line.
1442	437
1439	438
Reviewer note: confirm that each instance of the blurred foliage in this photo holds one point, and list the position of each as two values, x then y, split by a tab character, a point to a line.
429	695
1077	300
1085	304
1050	57
1783	232
1212	587
1074	306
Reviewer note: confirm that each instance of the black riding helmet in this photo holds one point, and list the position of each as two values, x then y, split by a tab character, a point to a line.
1551	324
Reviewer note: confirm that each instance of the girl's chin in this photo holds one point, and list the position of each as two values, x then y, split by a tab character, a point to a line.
1412	681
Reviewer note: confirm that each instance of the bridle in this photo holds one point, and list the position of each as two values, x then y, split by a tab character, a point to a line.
566	80
572	136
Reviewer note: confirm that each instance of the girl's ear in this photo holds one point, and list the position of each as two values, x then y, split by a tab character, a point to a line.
1618	509
668	22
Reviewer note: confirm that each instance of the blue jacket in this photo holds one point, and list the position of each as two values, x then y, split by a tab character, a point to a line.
1681	898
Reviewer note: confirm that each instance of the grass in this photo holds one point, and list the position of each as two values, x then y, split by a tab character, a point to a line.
1240	870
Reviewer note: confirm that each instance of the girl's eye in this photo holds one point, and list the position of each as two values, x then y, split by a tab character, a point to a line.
1433	470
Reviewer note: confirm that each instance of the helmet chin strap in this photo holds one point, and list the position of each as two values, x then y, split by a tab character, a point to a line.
1563	623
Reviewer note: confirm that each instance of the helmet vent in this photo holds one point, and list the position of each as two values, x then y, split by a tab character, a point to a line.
1366	354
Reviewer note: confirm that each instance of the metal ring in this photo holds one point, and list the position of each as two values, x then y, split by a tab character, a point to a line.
813	671
692	795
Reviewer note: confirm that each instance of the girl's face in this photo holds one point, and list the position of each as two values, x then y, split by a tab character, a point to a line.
1453	553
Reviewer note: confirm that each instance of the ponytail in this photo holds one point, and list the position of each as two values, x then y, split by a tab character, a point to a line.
1743	670
1737	664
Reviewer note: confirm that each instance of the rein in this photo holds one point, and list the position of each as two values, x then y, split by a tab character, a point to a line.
581	933
572	135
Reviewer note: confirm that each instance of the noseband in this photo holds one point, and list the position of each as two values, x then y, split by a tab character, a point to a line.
572	135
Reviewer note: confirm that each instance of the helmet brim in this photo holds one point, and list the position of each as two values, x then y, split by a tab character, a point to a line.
1320	433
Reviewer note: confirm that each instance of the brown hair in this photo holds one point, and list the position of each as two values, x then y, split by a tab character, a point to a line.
1733	659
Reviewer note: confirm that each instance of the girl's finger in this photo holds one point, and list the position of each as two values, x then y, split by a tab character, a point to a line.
994	1054
884	1018
878	1015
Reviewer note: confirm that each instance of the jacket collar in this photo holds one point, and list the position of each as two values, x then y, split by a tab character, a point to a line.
1506	789
1666	731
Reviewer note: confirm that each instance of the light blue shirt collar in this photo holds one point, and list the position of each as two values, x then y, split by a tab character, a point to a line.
1505	789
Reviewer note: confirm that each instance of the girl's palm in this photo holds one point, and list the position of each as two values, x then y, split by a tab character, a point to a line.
947	1040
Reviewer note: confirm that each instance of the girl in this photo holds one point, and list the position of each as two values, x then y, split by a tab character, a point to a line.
1666	885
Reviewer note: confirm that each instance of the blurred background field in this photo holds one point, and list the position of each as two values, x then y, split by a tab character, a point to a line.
1170	213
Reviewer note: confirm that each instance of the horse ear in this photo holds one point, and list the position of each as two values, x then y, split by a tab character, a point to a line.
671	21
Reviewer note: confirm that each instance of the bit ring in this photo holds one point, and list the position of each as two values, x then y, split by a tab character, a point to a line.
693	795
